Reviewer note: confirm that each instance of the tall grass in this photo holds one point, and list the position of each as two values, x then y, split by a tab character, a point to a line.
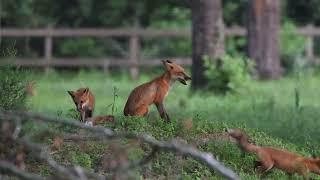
280	113
13	83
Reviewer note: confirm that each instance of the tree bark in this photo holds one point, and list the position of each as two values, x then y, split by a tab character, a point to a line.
207	37
263	41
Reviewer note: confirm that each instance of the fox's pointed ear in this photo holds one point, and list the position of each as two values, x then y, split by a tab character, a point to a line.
168	64
86	90
71	93
168	61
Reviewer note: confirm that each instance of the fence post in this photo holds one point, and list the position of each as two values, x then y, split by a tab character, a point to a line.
105	66
134	55
48	48
309	45
134	52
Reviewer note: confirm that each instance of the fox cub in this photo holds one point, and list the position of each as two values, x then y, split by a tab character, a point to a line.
271	157
155	91
84	101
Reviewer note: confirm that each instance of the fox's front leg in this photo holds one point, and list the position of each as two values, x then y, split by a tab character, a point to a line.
264	168
162	112
256	164
82	116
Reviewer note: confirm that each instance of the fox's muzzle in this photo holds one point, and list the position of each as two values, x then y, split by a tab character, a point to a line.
184	79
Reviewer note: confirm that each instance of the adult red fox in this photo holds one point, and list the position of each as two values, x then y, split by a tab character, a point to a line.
271	157
155	91
84	101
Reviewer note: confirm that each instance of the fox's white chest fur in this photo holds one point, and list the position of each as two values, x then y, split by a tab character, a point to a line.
169	88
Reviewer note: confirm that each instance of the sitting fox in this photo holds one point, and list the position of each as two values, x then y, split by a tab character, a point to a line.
155	91
271	157
84	101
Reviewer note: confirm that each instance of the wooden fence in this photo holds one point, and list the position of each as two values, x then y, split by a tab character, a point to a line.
133	60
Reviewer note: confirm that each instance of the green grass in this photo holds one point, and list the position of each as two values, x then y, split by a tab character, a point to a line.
269	111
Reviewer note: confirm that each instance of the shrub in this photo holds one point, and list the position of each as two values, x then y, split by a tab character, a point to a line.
13	83
84	47
235	45
81	159
228	74
292	47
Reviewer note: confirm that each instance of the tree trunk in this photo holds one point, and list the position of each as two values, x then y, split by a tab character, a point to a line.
263	41
207	37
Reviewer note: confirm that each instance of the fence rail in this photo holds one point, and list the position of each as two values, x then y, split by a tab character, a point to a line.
133	60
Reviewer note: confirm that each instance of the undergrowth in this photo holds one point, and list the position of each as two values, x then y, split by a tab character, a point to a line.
282	114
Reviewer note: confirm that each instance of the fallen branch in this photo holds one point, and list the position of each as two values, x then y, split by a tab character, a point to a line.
138	163
69	173
41	153
169	146
11	169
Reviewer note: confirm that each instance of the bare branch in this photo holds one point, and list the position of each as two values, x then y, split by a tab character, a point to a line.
44	156
11	169
76	137
138	163
171	146
72	173
17	129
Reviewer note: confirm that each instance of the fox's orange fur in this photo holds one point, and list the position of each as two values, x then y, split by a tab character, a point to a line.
56	144
155	91
84	101
97	120
271	157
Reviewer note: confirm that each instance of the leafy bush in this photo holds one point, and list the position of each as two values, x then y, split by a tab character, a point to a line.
166	47
171	46
292	47
235	45
84	47
13	83
81	159
228	74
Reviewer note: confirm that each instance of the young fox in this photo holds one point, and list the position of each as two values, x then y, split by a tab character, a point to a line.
155	91
84	101
271	157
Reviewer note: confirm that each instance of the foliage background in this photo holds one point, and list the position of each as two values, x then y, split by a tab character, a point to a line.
124	13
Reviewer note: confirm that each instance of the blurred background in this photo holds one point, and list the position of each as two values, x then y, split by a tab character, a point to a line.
113	33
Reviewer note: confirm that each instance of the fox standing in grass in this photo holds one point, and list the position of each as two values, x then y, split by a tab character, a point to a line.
155	91
271	157
84	101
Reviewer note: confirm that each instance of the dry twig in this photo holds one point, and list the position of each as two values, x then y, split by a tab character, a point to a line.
107	134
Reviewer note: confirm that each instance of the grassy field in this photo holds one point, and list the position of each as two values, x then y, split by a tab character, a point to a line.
280	113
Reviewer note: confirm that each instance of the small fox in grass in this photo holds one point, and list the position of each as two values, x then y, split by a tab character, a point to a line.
84	101
271	157
155	91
